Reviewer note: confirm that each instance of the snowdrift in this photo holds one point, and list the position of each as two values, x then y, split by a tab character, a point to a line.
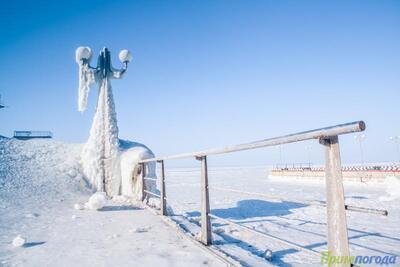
38	168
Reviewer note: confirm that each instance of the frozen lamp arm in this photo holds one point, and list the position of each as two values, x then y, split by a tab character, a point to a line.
125	57
119	73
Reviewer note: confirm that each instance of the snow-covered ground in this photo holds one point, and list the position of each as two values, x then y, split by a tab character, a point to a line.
290	220
40	181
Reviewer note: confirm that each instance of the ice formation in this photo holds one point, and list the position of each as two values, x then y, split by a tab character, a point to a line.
85	78
102	155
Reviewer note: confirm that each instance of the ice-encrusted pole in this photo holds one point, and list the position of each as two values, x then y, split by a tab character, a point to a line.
100	153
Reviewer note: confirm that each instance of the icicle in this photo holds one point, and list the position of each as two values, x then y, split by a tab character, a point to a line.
100	153
86	78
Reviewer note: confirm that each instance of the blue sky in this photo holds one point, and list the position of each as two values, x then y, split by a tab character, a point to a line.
210	73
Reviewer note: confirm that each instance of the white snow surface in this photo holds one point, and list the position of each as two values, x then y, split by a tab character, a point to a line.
287	219
40	183
41	180
392	184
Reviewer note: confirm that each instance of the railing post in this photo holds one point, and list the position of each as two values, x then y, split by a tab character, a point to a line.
143	180
338	243
205	203
163	204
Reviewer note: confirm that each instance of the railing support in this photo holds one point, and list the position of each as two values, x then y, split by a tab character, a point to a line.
338	243
163	204
205	203
143	166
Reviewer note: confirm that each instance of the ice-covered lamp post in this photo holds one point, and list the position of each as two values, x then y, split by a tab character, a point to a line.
100	153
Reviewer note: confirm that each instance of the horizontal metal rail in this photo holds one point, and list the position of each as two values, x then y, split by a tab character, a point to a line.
150	179
340	129
151	193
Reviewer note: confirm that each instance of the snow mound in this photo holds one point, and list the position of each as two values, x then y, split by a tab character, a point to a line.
36	176
97	201
39	171
392	184
18	241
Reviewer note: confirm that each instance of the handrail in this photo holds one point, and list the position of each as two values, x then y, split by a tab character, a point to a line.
337	236
357	126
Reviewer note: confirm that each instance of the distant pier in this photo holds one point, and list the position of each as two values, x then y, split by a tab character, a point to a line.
26	135
370	173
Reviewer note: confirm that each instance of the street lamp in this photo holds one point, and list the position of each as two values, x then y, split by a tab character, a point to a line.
360	138
99	154
396	140
104	68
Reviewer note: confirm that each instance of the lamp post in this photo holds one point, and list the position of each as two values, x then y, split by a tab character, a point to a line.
99	155
396	140
360	138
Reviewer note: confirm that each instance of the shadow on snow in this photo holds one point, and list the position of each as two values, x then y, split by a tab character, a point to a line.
251	208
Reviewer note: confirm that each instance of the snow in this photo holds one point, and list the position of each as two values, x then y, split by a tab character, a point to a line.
86	78
392	184
96	201
18	241
38	197
41	181
125	56
288	219
130	171
100	153
78	206
83	52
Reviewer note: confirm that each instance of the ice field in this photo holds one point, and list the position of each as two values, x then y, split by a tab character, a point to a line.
288	219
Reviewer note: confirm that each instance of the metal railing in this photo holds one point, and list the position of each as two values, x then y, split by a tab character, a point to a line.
338	243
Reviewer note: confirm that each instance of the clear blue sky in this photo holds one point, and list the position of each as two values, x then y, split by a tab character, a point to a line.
210	73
